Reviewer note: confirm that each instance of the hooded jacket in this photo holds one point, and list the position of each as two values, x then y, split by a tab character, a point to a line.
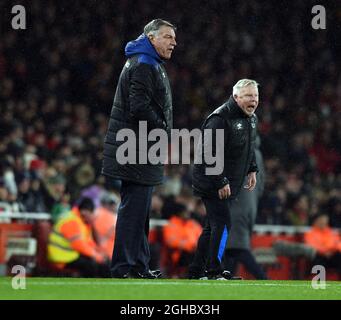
143	93
240	132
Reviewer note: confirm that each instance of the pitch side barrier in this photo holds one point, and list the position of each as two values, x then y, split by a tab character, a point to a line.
258	228
7	215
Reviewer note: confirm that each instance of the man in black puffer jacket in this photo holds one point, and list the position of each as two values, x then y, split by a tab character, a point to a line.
237	120
143	96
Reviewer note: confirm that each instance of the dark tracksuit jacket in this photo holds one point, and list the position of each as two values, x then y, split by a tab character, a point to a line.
240	133
239	160
143	94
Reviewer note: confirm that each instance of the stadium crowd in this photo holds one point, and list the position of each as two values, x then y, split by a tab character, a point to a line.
57	81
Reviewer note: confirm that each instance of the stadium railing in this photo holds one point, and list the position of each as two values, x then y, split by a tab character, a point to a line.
17	225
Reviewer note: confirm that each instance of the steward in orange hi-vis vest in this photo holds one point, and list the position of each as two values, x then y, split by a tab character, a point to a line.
71	243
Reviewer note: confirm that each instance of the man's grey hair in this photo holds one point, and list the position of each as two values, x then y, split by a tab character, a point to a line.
242	84
153	27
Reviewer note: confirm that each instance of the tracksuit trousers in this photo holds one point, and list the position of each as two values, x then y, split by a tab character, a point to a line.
131	250
213	240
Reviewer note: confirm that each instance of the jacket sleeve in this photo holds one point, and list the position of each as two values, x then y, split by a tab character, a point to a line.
261	174
214	123
253	165
71	231
140	96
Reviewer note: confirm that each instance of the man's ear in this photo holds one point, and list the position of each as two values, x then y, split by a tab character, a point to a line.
235	96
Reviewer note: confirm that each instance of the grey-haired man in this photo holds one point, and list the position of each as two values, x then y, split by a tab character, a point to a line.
143	94
239	123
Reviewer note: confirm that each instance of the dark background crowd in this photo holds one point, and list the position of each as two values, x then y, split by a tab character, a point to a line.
58	79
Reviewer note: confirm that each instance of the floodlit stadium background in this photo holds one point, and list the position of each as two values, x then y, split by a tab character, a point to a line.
58	79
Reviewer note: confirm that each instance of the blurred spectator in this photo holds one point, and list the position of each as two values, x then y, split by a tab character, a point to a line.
298	214
57	113
53	115
180	236
4	204
54	190
105	223
156	207
29	194
60	207
71	244
326	242
334	209
95	193
8	176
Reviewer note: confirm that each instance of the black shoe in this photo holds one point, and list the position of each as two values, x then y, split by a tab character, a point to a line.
156	273
227	275
224	275
150	274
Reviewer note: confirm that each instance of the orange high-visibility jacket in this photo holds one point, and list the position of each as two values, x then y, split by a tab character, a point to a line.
70	238
105	223
323	240
182	234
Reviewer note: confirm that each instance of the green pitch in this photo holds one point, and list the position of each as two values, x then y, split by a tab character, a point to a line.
102	289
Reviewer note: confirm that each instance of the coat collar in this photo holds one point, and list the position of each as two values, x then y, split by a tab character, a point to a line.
235	109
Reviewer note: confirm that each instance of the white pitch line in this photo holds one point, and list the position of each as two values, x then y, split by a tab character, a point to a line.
165	283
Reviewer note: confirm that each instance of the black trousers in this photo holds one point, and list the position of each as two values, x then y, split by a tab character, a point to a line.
212	241
234	256
131	249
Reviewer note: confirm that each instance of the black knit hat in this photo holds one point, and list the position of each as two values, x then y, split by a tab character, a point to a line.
86	204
